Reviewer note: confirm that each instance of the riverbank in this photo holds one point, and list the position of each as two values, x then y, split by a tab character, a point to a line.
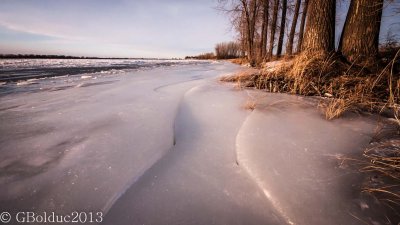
171	145
340	90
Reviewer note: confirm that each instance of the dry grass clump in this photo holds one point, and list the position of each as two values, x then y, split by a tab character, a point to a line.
245	78
383	161
335	107
346	86
385	158
250	105
240	61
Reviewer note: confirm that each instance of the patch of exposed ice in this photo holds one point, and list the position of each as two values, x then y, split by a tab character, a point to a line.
26	82
308	187
106	135
86	77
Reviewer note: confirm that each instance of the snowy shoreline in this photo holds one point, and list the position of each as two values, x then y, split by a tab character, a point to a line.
14	70
171	145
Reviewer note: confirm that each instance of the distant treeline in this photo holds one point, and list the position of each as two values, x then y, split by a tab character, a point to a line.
225	50
228	50
208	55
33	56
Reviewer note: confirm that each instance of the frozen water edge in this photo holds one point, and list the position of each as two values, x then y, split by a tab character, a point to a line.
109	145
198	181
296	157
79	148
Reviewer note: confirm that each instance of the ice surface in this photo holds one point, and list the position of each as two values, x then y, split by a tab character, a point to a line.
171	145
12	70
80	145
9	64
297	158
199	181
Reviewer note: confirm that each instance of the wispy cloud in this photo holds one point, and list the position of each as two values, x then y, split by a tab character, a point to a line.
152	27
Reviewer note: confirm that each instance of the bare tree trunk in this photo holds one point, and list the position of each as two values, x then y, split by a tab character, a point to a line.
264	29
302	24
254	13
242	29
273	28
250	13
282	30
360	36
243	46
248	32
319	39
289	47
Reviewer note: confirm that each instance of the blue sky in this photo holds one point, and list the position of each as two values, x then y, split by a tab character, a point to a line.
123	28
112	28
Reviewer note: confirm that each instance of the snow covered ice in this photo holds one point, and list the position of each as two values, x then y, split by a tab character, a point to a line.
171	145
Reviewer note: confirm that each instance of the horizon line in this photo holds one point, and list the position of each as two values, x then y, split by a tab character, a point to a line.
56	56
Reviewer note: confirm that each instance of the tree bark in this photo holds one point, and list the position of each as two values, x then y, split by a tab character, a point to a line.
242	30
289	47
250	12
273	28
264	29
360	36
282	29
319	39
302	24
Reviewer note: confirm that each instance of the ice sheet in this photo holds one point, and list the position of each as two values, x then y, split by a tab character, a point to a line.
199	181
13	70
297	158
171	145
79	146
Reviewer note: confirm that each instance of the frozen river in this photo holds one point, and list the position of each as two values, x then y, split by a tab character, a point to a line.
171	145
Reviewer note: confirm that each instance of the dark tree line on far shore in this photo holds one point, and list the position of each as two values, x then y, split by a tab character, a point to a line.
34	56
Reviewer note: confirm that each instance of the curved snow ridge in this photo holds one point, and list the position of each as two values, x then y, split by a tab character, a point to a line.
168	88
244	162
143	171
198	181
139	175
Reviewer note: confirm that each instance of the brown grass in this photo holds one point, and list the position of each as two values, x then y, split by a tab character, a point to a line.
243	79
383	162
335	107
347	86
250	105
240	61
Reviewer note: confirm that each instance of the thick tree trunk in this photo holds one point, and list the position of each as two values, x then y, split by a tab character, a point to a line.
360	36
319	39
289	47
282	30
264	29
302	25
273	28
